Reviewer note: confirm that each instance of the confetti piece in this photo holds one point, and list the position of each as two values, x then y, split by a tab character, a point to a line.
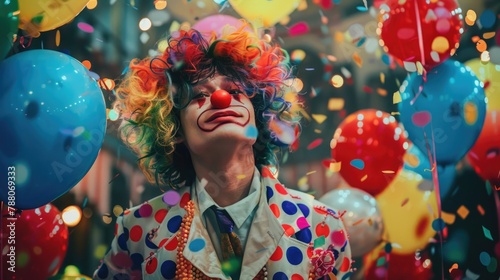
487	19
485	258
481	45
440	44
463	212
300	28
480	209
364	178
85	27
87	64
251	132
319	118
470	275
92	4
362	8
396	97
410	66
336	104
358	163
395	113
381	261
405	201
381	92
382	78
335	166
489	35
357	59
438	224
58	38
337	81
318	131
367	89
171	198
241	176
420	68
320	241
421	118
454	266
346	73
448	217
487	233
357	222
388	171
314	144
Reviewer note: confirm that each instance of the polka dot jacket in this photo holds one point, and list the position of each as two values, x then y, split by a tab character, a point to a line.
292	236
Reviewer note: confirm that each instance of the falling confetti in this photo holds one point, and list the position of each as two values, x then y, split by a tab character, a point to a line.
463	212
85	27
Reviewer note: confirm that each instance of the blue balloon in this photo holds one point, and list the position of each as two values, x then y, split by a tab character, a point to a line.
53	122
418	162
450	105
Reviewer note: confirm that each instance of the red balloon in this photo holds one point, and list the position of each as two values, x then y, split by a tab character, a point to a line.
484	156
35	243
406	267
419	30
371	146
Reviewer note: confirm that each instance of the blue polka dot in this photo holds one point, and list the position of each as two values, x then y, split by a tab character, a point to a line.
487	19
280	276
122	240
174	224
137	260
168	269
150	244
304	209
137	214
289	207
197	244
269	193
294	255
103	271
304	235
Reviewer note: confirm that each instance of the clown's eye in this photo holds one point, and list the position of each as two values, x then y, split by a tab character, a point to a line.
200	95
235	91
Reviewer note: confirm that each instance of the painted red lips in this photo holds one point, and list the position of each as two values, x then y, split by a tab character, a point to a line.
208	121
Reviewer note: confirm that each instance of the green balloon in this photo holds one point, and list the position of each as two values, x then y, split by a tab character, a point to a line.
9	22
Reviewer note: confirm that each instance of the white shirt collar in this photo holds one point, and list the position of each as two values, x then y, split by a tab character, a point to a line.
239	211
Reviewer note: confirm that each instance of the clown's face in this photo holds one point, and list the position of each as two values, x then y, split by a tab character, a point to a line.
226	118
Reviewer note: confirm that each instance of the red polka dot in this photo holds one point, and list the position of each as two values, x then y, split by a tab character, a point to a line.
338	238
184	199
172	244
289	230
276	210
162	242
160	215
320	210
266	173
280	188
151	265
296	277
346	264
277	255
126	212
136	233
322	229
422	225
310	251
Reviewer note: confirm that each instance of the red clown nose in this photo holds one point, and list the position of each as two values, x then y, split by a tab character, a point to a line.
220	99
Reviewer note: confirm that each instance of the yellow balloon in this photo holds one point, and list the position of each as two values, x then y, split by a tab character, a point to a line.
488	73
264	13
408	212
43	15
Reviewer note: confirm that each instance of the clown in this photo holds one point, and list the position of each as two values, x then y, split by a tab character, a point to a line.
199	116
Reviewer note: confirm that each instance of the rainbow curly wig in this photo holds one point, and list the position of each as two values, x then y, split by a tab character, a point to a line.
145	97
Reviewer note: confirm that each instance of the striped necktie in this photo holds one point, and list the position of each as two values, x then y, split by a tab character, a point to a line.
232	252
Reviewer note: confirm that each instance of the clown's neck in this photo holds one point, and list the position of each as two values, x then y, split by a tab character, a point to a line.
227	175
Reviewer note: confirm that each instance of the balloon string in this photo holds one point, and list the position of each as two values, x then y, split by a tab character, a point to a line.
419	29
435	180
